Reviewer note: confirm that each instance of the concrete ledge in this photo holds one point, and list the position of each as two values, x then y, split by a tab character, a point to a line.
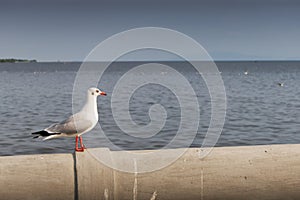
49	176
95	180
251	172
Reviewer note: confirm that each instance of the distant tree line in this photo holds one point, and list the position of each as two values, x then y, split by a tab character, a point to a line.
13	60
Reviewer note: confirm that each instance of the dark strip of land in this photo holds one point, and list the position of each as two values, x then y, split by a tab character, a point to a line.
13	60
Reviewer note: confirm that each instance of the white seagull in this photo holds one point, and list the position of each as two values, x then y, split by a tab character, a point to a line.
77	124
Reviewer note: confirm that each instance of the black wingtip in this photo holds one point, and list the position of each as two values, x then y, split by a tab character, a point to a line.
41	133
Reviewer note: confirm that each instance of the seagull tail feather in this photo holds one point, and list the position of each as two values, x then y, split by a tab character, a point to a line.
45	134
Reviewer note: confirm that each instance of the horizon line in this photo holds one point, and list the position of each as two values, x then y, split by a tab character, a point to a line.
216	60
168	60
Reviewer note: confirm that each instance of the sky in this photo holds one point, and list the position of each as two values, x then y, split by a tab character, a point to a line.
67	30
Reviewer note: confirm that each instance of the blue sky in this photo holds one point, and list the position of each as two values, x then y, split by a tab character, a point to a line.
68	30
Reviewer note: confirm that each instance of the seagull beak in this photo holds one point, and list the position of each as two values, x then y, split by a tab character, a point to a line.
103	93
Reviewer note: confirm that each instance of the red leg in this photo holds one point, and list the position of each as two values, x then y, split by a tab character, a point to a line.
76	144
81	144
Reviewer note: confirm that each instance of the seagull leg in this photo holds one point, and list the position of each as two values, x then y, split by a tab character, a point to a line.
81	144
76	144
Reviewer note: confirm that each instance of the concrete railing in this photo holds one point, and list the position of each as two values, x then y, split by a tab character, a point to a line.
251	172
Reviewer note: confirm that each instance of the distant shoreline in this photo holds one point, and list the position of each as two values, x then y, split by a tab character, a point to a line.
13	60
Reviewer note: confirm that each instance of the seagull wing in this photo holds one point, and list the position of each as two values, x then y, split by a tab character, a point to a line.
74	124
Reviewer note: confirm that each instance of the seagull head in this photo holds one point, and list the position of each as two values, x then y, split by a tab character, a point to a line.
96	92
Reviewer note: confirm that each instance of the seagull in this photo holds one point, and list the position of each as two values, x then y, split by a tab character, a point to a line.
280	84
77	124
246	72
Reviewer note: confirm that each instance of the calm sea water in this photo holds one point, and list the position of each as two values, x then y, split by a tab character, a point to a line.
259	111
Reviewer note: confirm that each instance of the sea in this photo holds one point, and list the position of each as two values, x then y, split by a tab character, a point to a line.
262	105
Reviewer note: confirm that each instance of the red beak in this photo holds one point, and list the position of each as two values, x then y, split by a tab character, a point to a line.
103	93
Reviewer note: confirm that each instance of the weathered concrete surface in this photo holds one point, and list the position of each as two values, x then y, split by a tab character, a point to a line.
49	176
95	180
252	172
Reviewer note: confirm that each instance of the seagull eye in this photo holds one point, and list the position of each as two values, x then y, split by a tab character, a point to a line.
97	91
